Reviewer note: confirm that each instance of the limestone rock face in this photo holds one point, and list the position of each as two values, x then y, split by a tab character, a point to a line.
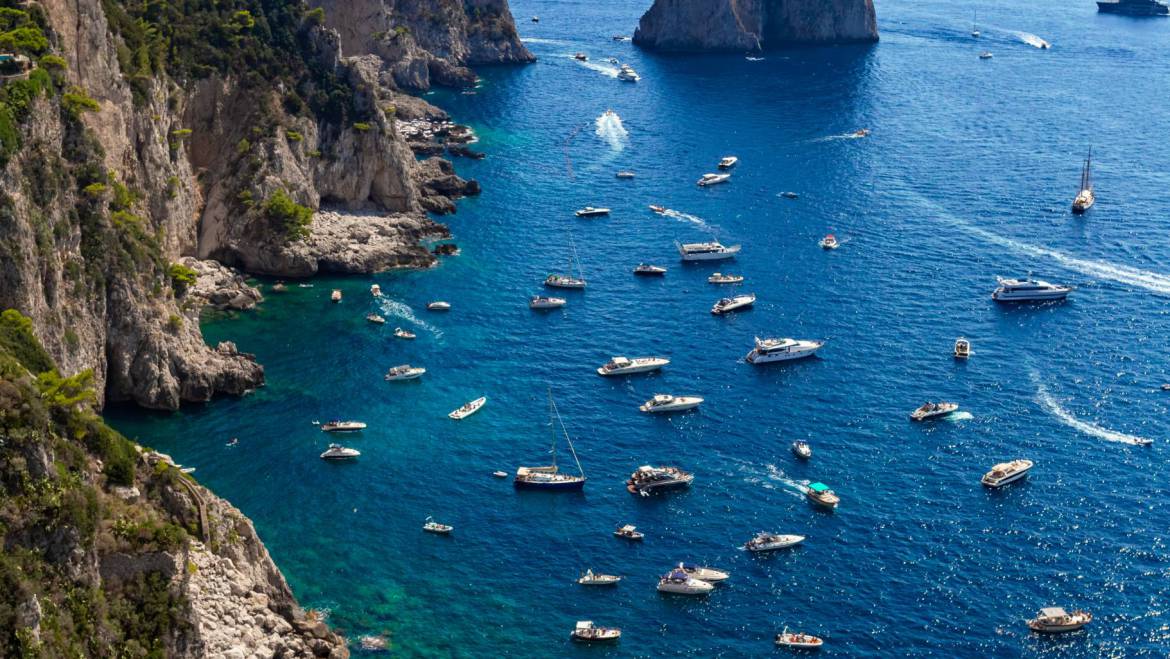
740	25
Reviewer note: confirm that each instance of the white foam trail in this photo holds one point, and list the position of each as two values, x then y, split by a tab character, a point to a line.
553	42
1049	403
960	416
842	136
603	69
687	217
610	129
1032	40
396	309
795	487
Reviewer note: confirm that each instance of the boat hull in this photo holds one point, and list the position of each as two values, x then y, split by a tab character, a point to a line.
728	253
755	357
672	407
555	486
1033	296
1132	9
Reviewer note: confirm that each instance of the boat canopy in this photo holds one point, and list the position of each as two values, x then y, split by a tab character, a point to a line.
584	624
1053	612
819	487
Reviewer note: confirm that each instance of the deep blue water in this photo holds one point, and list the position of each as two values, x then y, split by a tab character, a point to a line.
967	175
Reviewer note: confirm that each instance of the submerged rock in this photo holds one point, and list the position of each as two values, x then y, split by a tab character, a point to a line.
742	25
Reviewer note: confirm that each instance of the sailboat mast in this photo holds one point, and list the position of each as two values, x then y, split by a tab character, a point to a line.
552	408
577	261
566	433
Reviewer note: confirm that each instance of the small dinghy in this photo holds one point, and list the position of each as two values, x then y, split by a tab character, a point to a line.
335	295
962	348
629	532
500	474
789	195
802	449
439	305
589	578
376	319
720	278
787	639
986	55
587	632
625	174
829	242
933	411
376	290
581	57
468	409
431	526
403	334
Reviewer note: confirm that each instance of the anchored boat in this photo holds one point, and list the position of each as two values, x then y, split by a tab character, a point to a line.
627	366
709	251
779	350
550	477
1085	197
648	479
772	541
668	403
1054	619
468	409
1006	472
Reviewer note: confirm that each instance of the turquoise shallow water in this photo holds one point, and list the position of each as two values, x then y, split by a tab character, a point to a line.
967	175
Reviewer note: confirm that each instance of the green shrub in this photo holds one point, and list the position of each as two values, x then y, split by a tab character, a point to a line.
180	132
95	190
289	215
76	102
27	39
243	146
17	339
181	277
54	63
361	127
315	16
294	136
174	323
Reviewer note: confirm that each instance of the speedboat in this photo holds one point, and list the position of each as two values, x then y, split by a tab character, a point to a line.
541	302
581	56
985	55
591	579
627	73
626	366
376	319
708	574
339	452
720	278
779	350
590	211
649	479
404	372
829	242
431	526
658	209
625	174
802	449
376	290
713	179
668	403
931	410
535	19
1006	472
1029	290
403	334
629	532
789	195
819	493
612	60
439	305
710	251
648	270
1085	197
468	409
727	162
678	582
1054	619
787	639
587	632
861	132
343	426
335	295
772	541
564	281
729	304
500	474
962	348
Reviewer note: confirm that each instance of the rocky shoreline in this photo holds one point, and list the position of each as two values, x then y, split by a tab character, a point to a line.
738	26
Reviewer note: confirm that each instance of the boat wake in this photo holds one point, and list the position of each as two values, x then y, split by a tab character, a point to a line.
790	486
1050	405
1032	40
692	219
842	136
603	69
610	129
959	416
550	42
396	309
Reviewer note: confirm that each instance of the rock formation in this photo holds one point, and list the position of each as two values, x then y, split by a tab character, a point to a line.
745	25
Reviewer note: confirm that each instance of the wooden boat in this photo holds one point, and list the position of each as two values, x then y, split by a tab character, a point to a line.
629	532
820	494
468	409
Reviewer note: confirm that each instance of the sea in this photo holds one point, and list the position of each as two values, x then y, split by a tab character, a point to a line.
966	175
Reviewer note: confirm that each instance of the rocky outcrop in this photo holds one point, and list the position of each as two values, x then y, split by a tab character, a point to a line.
739	25
218	286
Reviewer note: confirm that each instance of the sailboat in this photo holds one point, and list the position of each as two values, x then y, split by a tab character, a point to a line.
975	25
1085	197
550	477
568	281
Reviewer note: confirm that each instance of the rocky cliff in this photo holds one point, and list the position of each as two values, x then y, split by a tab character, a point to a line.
745	25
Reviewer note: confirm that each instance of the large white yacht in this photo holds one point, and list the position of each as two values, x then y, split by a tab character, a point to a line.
668	403
1006	472
713	179
1029	290
779	350
649	479
729	304
627	73
627	366
681	583
712	251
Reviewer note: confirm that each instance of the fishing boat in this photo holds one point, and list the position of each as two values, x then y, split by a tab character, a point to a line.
1085	198
335	296
648	479
678	582
962	348
375	290
801	449
779	350
629	532
929	410
1054	619
627	366
543	302
404	372
376	319
787	639
820	494
590	211
468	409
647	270
661	403
403	334
627	73
590	578
737	303
709	251
708	574
439	305
558	280
550	477
339	452
765	541
1029	290
829	242
727	162
658	209
343	426
1006	472
713	179
720	278
625	174
587	632
431	526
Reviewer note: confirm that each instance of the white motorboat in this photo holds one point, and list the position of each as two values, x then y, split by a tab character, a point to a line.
627	366
376	319
779	350
787	639
563	281
962	348
343	426
709	251
713	179
590	578
590	211
625	174
720	278
468	409
1006	472
729	304
1085	197
829	242
581	56
431	526
335	295
1029	290
404	372
587	632
629	532
931	410
678	582
439	305
403	334
658	209
339	452
376	290
708	574
542	302
627	73
802	449
727	162
765	541
986	55
667	403
648	479
648	270
1054	619
820	494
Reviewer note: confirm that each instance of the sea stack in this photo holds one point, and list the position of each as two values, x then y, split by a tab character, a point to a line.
739	25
